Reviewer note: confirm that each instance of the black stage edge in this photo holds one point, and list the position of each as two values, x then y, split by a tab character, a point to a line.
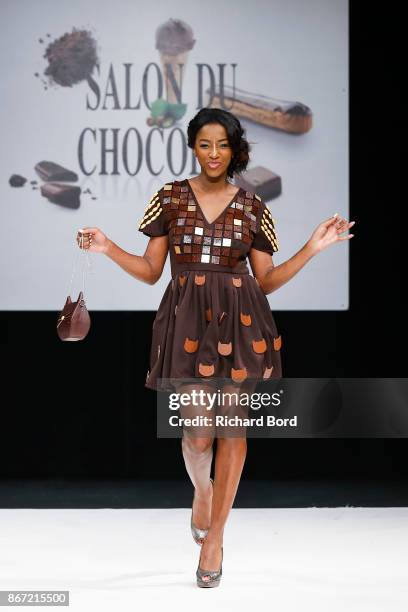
178	494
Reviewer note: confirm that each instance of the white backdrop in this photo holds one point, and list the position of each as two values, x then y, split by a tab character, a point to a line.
287	49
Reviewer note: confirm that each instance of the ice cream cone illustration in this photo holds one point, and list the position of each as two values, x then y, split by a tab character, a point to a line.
174	40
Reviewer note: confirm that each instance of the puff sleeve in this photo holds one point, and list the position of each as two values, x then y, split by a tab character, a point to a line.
154	220
265	236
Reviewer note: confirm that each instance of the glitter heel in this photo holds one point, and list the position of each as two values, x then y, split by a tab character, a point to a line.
209	578
198	534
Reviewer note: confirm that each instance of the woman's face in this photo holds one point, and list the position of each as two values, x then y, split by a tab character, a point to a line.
213	150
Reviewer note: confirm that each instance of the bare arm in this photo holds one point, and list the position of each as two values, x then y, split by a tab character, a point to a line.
147	268
271	277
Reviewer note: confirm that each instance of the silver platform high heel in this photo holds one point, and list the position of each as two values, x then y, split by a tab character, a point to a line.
213	577
198	534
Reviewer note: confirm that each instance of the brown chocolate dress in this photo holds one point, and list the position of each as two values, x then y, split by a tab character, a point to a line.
214	321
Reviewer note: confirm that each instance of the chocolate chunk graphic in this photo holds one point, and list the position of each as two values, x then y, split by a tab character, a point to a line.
72	58
65	195
16	180
265	183
50	171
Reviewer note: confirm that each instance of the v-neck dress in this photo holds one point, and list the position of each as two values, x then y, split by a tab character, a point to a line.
214	320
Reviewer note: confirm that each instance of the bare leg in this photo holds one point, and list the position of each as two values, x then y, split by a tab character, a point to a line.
229	462
198	454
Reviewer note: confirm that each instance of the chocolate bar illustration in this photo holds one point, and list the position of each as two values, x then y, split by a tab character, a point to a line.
283	115
65	195
261	181
50	171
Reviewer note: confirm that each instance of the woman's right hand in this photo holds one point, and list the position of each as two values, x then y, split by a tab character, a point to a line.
94	239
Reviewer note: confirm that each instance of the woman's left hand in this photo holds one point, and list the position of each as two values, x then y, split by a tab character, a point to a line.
328	232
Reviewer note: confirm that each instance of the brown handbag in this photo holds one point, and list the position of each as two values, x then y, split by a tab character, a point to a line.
74	322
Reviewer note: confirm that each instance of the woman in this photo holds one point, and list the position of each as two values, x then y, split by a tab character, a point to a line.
214	320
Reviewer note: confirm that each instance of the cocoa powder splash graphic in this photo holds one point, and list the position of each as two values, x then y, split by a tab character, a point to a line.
71	58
